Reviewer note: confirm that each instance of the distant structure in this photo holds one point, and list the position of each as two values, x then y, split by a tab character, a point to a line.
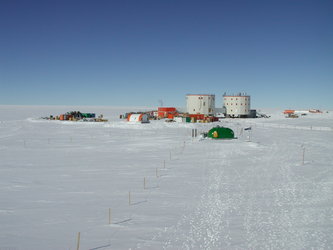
200	104
167	112
237	106
143	118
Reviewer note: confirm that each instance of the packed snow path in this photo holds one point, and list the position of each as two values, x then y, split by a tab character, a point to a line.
258	196
58	179
256	203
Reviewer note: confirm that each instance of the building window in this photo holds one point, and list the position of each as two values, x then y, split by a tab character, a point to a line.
204	103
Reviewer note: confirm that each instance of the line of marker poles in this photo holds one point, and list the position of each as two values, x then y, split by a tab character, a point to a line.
110	210
129	193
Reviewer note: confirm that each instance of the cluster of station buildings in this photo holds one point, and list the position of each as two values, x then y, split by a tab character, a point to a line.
201	107
291	113
234	106
77	116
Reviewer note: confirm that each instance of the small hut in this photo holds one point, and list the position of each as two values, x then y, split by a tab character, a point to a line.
221	133
143	118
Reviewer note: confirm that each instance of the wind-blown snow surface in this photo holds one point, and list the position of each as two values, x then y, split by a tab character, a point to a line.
61	178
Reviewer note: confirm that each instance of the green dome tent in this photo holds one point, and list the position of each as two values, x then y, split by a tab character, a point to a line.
221	133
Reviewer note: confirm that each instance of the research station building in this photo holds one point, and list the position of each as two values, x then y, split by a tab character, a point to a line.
200	104
237	106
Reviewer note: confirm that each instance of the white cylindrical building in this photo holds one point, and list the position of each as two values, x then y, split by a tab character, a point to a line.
200	104
237	105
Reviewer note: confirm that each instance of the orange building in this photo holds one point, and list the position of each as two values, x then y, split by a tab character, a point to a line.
289	111
167	112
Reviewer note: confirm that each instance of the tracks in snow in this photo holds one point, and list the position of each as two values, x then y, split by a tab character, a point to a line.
255	203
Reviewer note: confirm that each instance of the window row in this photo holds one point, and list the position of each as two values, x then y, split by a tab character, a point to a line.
235	104
246	99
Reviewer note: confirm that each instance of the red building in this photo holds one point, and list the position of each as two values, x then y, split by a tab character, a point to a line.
167	112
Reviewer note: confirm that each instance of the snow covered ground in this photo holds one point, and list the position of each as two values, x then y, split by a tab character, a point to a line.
164	189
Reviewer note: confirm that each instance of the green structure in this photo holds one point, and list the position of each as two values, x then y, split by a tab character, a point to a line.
221	133
88	115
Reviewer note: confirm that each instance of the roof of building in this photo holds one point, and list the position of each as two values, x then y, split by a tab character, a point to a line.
236	96
200	95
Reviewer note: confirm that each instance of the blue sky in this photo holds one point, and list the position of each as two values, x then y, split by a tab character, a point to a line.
135	53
